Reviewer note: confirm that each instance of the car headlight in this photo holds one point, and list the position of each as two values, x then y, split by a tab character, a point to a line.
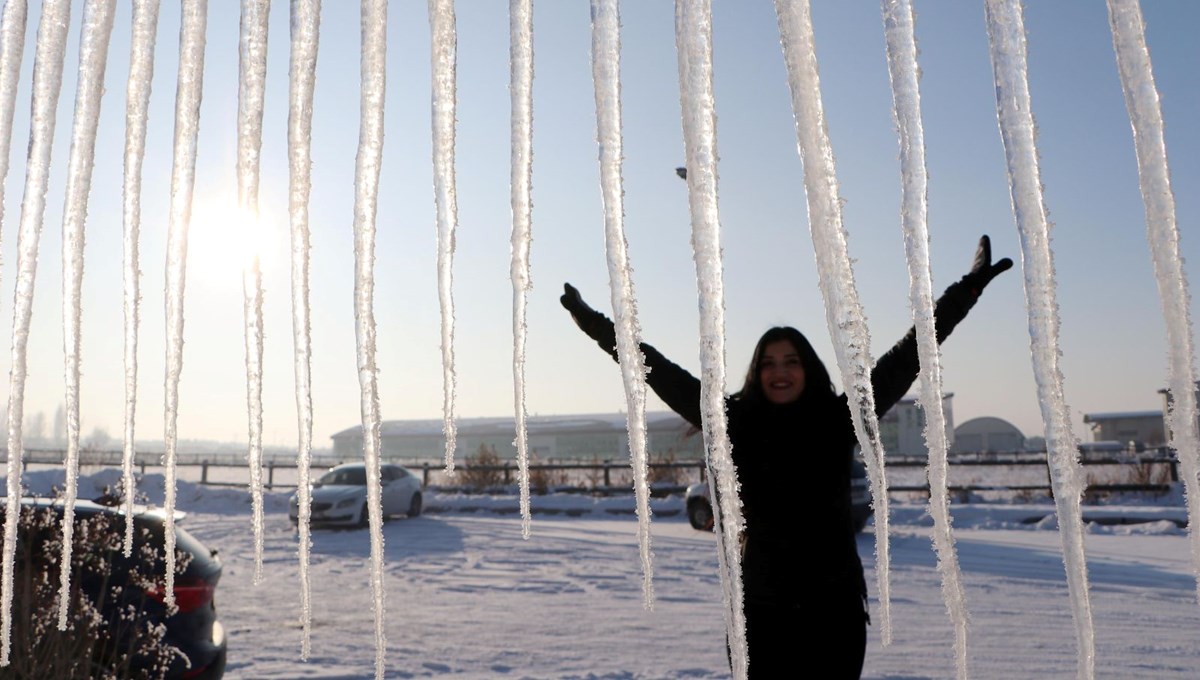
346	503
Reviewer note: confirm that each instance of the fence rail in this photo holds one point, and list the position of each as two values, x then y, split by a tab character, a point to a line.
1152	471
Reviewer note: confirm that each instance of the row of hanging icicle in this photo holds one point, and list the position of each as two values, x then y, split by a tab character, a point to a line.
693	35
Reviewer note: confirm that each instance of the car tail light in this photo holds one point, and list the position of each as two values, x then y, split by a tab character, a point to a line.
190	594
195	672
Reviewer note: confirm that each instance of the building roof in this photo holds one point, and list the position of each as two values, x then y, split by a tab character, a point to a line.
1118	415
555	424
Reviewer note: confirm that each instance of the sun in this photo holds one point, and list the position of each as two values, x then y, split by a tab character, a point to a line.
224	242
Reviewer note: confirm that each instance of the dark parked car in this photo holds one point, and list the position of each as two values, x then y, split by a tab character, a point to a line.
700	512
118	606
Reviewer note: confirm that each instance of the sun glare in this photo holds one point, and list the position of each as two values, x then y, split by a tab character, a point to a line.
224	240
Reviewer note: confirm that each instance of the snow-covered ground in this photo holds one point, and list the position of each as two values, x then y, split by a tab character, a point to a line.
467	597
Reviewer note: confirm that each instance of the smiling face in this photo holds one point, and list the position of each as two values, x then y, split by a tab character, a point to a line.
781	373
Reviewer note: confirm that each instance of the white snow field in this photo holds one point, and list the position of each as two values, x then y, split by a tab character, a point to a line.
468	597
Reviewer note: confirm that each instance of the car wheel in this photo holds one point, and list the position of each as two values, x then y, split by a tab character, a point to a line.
700	514
414	506
364	517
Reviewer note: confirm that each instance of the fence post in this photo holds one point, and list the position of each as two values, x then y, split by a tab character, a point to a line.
425	473
607	483
271	473
203	471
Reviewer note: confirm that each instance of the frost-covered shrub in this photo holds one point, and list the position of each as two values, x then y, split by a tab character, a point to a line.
114	628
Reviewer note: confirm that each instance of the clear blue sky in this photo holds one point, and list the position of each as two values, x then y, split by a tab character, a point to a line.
1112	327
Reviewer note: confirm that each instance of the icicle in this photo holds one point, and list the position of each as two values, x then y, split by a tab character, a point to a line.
1145	113
898	19
183	175
443	43
521	92
252	67
137	97
1006	35
606	63
693	45
366	190
47	83
12	48
93	55
843	313
306	15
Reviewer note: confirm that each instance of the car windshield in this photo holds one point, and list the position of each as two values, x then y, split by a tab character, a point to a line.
345	477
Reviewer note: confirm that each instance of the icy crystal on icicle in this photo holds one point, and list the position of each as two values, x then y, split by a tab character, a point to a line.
47	83
1145	113
137	101
843	313
1006	35
444	47
693	46
93	55
606	68
305	33
183	175
521	94
366	192
898	19
252	70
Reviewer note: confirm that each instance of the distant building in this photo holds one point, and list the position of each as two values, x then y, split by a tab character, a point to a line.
987	435
582	437
902	428
1141	427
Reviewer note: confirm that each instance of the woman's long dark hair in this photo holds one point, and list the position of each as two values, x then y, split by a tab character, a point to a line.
816	378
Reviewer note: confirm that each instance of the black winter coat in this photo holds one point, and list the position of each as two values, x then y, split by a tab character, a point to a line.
806	444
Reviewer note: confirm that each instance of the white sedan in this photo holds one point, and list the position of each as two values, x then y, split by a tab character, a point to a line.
340	495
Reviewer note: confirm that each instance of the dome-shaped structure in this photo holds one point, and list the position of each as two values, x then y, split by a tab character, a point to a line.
987	435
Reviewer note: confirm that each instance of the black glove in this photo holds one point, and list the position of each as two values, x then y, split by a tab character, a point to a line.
597	326
983	270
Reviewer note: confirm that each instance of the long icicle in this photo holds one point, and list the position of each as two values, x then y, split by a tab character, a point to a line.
898	19
47	83
843	313
520	37
137	102
693	46
13	23
606	70
444	46
252	67
1145	113
183	175
1006	37
93	56
366	192
306	22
